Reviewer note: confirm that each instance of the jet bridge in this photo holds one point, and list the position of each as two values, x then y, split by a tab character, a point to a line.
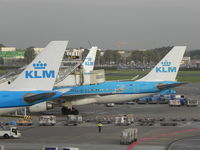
67	67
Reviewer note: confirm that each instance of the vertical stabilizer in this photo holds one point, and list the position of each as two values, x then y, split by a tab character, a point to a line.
41	73
167	68
88	64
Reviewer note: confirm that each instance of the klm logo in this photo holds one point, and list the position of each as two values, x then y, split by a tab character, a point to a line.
89	62
166	67
39	71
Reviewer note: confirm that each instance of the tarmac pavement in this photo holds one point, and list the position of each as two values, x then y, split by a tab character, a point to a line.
86	136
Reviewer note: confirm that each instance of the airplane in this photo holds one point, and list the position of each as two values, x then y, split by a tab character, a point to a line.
35	83
161	78
108	92
87	66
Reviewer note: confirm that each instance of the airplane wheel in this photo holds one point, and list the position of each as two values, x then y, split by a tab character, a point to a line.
75	111
65	111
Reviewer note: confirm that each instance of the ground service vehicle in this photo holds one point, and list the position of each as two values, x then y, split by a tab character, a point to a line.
192	103
146	121
175	102
24	122
9	132
124	120
73	120
47	120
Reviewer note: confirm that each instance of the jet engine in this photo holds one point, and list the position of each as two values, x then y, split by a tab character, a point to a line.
41	107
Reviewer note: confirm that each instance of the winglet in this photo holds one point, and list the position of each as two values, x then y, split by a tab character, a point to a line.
167	68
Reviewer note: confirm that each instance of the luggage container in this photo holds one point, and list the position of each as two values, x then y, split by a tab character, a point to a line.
169	124
129	136
48	120
175	103
73	120
124	120
192	103
107	119
147	121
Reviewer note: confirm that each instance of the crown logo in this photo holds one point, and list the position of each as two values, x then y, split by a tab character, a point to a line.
39	65
89	59
166	63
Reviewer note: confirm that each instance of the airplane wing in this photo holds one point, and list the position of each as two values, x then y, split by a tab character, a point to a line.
167	86
31	97
71	97
87	94
132	79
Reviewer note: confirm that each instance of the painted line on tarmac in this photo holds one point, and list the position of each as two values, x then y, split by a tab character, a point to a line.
162	135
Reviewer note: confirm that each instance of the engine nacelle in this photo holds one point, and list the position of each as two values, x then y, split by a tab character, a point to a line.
41	107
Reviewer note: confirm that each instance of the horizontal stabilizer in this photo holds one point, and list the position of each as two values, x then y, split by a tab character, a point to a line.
168	86
134	78
31	97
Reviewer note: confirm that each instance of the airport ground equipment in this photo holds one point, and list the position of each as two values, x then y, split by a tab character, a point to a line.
73	120
9	132
147	122
47	120
168	123
174	103
129	136
124	120
163	101
11	123
192	103
142	101
69	148
195	119
50	148
178	119
56	148
154	99
24	122
160	119
105	119
110	105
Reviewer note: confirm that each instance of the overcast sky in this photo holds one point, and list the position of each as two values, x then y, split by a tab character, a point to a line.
137	24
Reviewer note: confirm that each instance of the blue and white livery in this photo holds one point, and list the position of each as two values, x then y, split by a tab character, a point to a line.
162	77
35	83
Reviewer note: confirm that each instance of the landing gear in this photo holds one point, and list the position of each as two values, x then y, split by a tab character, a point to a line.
67	111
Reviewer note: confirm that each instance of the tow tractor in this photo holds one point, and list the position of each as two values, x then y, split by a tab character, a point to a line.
7	132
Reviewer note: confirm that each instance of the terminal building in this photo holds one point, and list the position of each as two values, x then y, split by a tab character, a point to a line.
10	55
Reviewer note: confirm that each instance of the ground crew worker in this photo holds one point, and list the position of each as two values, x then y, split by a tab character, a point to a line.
100	126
